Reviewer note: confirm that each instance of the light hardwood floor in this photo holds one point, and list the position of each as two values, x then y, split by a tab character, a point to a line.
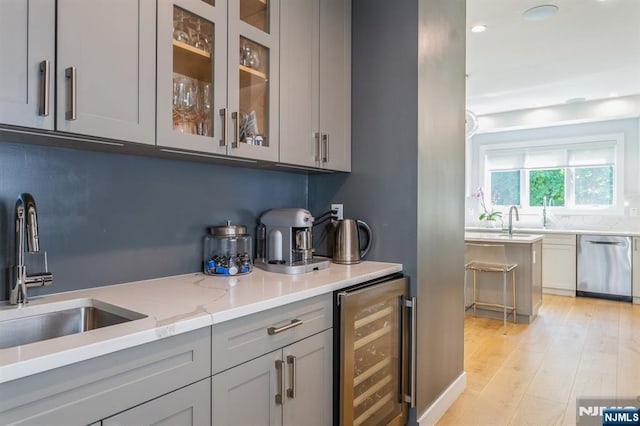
576	347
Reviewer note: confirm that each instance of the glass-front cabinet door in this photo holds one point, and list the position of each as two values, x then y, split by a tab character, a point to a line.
192	75
252	78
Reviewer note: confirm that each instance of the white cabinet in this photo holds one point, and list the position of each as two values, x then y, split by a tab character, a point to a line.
105	74
218	77
27	48
291	386
559	264
635	292
315	74
189	406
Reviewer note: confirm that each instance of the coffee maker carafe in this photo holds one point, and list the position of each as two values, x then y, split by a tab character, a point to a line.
285	242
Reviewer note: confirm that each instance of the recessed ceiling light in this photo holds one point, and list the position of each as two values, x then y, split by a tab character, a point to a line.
478	28
575	100
541	12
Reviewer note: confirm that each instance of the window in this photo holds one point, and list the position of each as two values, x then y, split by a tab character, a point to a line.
571	174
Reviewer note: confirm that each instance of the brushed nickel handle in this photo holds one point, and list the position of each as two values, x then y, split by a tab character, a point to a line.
291	392
71	75
325	148
223	114
316	154
293	323
606	243
280	378
44	88
236	129
411	398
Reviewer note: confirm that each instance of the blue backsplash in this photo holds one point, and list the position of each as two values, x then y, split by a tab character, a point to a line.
108	218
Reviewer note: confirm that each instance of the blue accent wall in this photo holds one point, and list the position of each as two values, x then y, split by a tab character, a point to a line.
108	218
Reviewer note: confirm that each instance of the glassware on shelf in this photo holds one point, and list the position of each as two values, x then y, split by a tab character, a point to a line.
180	31
185	91
203	110
198	39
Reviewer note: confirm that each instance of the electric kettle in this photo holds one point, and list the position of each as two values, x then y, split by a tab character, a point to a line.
346	248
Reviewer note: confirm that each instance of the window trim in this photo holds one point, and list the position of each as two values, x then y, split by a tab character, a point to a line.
562	143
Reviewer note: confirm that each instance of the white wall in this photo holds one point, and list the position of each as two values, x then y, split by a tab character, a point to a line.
563	122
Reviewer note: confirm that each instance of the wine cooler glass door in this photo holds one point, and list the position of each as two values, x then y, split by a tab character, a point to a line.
372	380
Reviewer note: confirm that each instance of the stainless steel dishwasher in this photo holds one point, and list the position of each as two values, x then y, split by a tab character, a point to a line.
604	267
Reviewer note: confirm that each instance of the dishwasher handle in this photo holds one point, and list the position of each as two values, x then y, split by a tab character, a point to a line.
606	243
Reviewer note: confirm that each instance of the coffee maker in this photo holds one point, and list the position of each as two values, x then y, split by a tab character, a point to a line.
284	242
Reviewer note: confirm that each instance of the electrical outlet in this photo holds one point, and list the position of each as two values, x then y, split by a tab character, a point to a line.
339	208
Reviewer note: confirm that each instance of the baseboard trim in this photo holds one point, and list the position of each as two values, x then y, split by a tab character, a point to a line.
445	400
636	300
559	291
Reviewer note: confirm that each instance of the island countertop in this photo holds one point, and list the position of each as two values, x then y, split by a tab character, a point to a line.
173	305
493	237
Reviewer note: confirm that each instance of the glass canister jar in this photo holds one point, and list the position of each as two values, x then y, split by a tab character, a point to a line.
227	250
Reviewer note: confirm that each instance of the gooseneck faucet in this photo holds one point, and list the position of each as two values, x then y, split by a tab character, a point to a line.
544	212
511	210
26	223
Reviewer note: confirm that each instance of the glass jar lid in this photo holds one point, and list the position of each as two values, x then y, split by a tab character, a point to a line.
228	230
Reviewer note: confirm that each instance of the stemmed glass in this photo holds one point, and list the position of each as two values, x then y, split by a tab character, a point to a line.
203	110
180	30
184	99
199	40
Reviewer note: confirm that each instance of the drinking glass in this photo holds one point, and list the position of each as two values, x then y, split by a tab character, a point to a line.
179	28
203	110
199	39
184	94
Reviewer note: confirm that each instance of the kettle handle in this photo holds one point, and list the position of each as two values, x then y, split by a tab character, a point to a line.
362	224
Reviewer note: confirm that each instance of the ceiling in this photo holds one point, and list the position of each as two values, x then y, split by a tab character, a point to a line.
589	49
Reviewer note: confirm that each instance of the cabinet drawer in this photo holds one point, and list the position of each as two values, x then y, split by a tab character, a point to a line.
90	390
242	339
560	239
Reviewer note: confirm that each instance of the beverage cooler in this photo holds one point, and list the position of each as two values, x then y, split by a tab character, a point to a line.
375	353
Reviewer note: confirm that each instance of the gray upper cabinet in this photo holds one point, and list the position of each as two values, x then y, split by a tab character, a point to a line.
315	95
27	35
105	74
192	75
217	77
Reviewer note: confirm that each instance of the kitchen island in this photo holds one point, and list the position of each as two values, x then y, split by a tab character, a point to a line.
525	250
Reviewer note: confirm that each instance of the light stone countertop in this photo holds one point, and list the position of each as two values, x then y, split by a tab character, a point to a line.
553	231
173	305
493	237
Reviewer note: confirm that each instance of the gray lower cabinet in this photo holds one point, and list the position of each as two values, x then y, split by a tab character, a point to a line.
290	386
92	390
189	406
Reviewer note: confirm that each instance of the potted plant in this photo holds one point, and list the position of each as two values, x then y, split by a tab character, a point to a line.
487	216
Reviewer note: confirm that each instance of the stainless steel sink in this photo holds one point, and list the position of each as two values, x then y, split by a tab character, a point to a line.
48	321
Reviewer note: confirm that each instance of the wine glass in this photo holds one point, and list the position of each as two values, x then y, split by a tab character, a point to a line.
199	40
179	29
203	110
184	93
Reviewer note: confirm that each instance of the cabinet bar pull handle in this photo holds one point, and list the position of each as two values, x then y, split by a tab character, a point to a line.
606	243
44	88
236	129
293	323
325	148
223	114
71	113
411	398
316	153
280	379
291	392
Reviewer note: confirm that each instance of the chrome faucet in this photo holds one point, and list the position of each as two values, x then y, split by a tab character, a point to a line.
544	212
27	220
511	210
